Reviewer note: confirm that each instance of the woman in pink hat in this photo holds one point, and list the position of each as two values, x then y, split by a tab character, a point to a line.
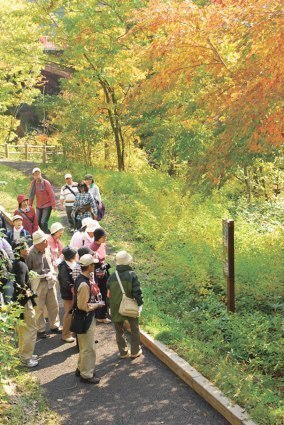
28	214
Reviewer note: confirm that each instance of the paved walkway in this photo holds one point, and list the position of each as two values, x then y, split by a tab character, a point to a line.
131	392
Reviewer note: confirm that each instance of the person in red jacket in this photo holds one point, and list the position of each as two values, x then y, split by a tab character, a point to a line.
28	214
45	199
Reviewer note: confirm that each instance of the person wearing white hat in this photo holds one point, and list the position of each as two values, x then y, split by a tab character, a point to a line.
131	286
18	232
54	243
40	261
41	189
85	236
84	310
67	197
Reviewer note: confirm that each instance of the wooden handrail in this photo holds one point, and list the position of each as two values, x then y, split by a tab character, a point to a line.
44	150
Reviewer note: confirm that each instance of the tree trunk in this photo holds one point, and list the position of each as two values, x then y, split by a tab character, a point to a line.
247	183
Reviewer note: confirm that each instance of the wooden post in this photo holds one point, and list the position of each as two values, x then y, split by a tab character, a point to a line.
6	150
229	262
26	151
44	156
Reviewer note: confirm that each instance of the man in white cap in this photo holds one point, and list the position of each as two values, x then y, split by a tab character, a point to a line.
40	261
84	309
45	199
67	197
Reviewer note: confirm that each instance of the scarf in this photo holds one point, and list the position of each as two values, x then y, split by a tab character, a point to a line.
33	188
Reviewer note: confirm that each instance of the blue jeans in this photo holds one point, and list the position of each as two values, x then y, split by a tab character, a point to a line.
43	215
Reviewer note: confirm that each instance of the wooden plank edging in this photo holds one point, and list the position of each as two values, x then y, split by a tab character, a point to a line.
235	414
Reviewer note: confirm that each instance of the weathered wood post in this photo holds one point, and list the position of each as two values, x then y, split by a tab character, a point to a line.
26	151
6	150
44	155
229	262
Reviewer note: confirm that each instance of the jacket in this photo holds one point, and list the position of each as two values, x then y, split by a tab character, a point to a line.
66	281
22	282
131	287
30	222
23	234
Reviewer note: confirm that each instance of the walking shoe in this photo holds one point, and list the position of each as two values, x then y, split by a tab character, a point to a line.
42	335
125	356
56	331
92	380
35	357
106	321
29	363
70	339
133	356
78	374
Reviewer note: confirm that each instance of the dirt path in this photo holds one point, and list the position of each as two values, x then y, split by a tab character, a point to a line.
131	392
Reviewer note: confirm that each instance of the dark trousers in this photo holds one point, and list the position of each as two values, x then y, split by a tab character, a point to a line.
134	336
69	216
43	215
7	290
101	313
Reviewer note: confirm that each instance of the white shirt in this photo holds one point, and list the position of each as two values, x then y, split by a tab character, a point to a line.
67	195
80	239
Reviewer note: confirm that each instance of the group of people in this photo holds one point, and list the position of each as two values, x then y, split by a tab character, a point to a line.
34	264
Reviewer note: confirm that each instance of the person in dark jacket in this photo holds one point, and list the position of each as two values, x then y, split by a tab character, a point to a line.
3	226
66	285
18	232
132	289
23	294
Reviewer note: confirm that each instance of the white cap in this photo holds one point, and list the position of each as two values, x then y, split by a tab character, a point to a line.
55	227
36	169
39	237
122	258
92	226
68	176
17	217
87	260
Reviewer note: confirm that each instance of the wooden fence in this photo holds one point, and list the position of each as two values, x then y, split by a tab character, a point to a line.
29	152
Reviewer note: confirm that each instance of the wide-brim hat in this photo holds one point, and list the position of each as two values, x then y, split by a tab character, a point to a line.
55	227
85	222
22	198
122	258
92	226
38	237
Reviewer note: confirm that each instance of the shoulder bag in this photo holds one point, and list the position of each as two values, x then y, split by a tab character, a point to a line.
128	306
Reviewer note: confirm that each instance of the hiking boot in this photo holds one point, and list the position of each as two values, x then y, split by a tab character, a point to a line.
133	356
35	357
56	331
29	363
78	374
92	380
125	356
42	335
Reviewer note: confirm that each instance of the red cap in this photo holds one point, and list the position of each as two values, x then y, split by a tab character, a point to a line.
22	198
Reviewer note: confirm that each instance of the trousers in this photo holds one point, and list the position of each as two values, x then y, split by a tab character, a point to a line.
46	297
27	332
87	352
134	336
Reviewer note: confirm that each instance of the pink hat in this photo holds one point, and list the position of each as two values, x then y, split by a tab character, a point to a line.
22	198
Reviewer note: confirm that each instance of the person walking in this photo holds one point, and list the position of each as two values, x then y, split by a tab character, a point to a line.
24	296
67	197
40	261
6	284
27	213
95	191
84	205
131	286
41	189
83	312
85	235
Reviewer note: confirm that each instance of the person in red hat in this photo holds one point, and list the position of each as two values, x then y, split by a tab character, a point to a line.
30	222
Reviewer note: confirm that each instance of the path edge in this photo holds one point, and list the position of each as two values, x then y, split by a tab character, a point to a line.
234	413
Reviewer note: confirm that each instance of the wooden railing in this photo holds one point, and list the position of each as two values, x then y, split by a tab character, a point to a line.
29	152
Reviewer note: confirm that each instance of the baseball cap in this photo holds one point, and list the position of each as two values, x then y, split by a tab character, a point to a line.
68	176
36	169
87	260
17	217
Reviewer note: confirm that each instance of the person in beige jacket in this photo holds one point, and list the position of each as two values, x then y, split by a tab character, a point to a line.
83	313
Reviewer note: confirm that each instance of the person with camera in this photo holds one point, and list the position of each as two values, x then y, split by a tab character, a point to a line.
84	205
67	197
83	321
